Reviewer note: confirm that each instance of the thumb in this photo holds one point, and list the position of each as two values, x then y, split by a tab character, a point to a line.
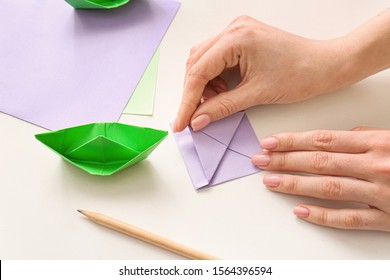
220	106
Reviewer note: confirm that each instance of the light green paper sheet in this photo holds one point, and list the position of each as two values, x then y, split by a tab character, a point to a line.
103	148
96	4
142	100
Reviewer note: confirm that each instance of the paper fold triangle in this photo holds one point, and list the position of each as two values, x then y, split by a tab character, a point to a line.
220	152
212	141
224	129
210	153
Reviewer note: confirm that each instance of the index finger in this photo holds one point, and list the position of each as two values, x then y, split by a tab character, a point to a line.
193	90
209	66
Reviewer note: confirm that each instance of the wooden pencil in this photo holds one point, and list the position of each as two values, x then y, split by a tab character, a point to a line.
146	236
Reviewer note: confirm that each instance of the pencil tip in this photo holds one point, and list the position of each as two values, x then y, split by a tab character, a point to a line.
80	211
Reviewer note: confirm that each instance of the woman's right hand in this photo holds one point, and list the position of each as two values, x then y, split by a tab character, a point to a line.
275	67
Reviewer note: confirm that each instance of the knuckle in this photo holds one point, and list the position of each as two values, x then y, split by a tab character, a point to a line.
384	196
382	169
280	160
292	184
241	26
190	61
331	188
242	18
194	73
352	221
193	50
381	142
226	107
323	139
320	161
359	128
189	104
322	217
289	142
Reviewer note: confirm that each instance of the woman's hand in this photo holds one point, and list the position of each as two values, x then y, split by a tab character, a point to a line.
275	67
280	67
355	165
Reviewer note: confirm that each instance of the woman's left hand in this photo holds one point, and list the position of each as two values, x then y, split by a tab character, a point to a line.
355	166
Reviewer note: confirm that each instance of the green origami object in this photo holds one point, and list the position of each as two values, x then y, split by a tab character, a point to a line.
96	4
103	148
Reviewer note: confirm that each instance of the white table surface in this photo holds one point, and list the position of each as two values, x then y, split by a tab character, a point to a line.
40	193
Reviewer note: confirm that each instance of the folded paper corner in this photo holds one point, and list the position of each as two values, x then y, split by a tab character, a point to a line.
212	158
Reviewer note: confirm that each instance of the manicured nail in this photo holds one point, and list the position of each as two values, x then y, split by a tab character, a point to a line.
200	122
272	180
261	160
269	143
301	212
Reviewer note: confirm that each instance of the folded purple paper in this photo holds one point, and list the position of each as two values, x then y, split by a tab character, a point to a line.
220	152
62	67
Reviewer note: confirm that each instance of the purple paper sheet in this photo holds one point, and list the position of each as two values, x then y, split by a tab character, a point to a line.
62	67
220	152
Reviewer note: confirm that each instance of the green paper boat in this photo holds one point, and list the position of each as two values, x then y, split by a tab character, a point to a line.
96	4
103	148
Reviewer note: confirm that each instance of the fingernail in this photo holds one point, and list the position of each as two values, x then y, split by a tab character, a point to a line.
261	160
269	143
200	122
272	180
218	89
301	212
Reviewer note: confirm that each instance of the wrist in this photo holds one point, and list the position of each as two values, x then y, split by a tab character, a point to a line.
366	50
338	65
348	62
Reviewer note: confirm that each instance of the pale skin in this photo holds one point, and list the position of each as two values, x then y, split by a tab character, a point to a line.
279	67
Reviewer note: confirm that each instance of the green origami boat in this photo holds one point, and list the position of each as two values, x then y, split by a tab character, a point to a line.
96	4
103	148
